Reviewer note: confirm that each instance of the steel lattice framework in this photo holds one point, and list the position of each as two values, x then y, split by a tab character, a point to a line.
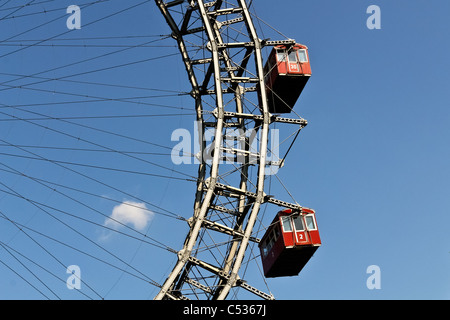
222	54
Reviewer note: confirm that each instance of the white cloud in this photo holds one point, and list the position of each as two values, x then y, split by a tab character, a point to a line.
129	213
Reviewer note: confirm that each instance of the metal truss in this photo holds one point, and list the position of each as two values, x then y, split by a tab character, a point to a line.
222	55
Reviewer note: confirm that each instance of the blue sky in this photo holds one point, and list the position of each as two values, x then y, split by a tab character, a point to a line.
373	161
377	107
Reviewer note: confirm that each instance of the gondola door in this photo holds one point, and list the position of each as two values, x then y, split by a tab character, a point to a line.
293	62
300	233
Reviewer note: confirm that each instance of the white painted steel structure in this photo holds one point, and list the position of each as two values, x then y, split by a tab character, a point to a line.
222	54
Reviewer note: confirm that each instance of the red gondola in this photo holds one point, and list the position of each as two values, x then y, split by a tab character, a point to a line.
289	243
286	73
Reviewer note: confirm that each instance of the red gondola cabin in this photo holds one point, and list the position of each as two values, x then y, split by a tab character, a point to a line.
286	73
289	243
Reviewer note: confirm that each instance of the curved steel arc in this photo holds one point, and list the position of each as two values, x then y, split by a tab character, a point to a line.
199	216
193	272
262	157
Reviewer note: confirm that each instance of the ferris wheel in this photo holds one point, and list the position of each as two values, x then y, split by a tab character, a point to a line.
240	99
228	201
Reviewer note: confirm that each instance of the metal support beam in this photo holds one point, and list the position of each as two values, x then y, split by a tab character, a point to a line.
223	71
